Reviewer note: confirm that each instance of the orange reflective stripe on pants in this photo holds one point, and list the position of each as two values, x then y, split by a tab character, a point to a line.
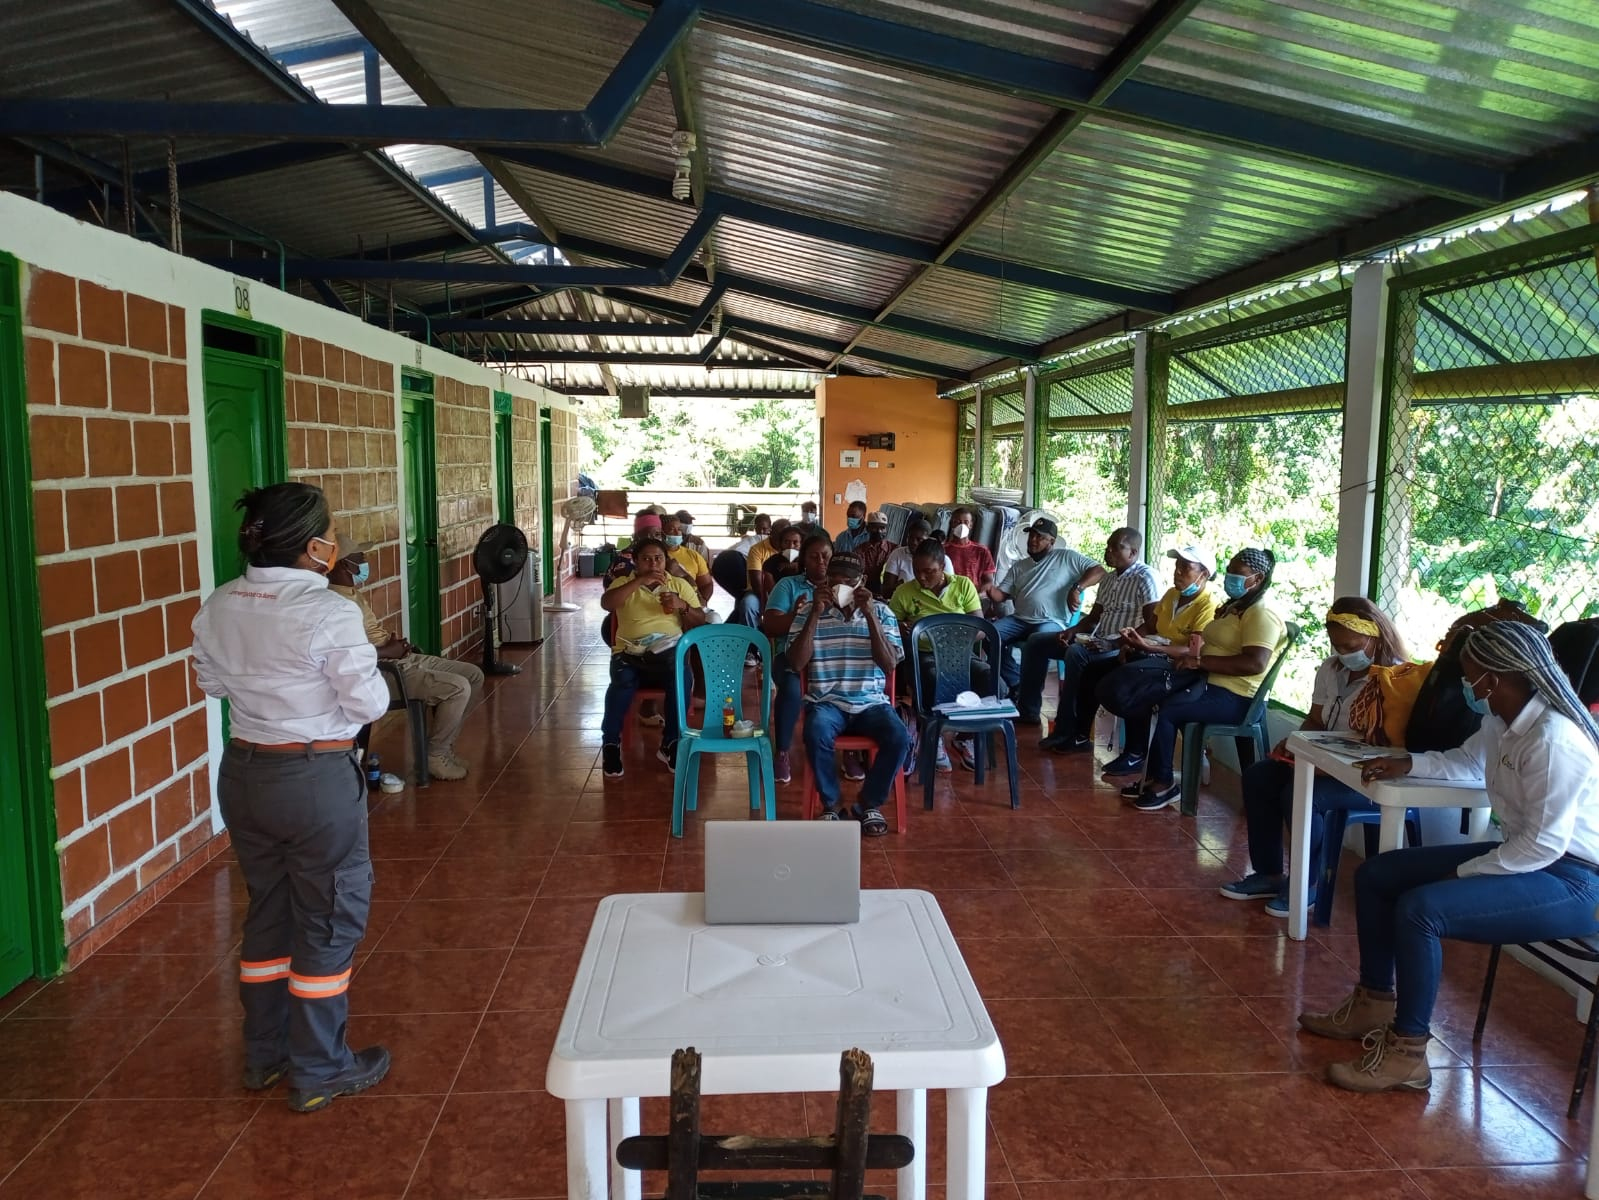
319	987
264	971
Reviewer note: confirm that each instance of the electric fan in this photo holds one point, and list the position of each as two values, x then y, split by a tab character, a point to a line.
499	557
576	513
1012	546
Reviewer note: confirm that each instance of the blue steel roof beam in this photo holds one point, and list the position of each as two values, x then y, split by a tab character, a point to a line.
222	167
1141	41
1061	85
303	53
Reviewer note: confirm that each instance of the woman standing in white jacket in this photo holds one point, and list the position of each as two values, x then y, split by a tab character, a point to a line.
1537	753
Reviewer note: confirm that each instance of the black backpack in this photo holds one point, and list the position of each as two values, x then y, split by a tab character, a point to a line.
1576	648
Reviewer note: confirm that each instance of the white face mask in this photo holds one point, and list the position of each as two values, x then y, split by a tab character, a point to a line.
791	554
960	531
843	595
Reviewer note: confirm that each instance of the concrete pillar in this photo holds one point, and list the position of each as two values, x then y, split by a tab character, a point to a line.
1363	430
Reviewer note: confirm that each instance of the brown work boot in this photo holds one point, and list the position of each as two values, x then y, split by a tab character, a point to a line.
1391	1062
446	767
1352	1020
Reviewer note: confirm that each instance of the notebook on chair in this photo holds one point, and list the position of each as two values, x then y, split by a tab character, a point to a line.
782	872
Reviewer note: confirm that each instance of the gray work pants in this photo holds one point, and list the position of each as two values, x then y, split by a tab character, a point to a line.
298	825
449	686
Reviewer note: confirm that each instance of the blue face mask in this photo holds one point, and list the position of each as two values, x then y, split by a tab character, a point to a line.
1477	704
1190	591
854	522
362	574
674	539
1236	586
1357	660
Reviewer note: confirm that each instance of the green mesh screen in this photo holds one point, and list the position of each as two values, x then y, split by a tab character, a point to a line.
1246	438
1004	463
965	447
1084	448
1490	487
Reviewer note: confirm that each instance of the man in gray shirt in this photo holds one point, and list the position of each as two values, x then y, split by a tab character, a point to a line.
1046	588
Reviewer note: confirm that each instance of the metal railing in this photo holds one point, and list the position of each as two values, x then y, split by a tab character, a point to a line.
721	515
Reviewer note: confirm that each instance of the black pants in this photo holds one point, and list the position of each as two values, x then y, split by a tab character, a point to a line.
298	824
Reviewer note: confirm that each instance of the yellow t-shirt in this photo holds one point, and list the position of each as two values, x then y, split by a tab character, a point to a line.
911	601
689	560
641	615
1255	626
759	553
1176	627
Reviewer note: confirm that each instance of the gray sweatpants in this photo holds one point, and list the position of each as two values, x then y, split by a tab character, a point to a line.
451	687
298	824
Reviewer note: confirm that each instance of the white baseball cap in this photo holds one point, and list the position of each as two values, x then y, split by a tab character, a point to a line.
1195	554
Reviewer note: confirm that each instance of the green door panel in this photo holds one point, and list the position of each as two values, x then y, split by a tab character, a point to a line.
546	504
421	521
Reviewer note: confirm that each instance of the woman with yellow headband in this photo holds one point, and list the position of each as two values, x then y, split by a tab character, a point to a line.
1362	636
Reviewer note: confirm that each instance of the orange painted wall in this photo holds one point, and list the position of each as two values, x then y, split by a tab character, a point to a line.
921	467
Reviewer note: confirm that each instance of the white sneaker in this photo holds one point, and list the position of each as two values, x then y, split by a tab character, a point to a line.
445	767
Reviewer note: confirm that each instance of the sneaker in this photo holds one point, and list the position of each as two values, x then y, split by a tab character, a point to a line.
445	767
1361	1013
941	764
1066	743
782	772
1025	721
1256	886
258	1079
668	755
611	759
368	1070
1124	764
852	765
1391	1062
1277	906
1156	799
966	751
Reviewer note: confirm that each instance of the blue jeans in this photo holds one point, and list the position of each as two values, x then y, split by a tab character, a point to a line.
1016	634
1269	802
1038	653
786	709
1215	705
629	672
747	611
1407	901
825	723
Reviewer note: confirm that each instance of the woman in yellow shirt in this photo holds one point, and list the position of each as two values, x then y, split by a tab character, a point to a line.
1237	652
934	590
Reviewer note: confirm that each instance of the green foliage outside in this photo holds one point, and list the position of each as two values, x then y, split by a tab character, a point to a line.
1085	486
699	443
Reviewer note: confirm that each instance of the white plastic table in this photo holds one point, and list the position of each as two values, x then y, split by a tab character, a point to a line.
1317	751
770	1008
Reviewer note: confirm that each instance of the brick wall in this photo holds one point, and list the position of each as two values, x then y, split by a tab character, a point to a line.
463	437
342	437
119	584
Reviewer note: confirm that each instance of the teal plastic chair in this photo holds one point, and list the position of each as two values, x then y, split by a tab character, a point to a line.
1252	728
722	650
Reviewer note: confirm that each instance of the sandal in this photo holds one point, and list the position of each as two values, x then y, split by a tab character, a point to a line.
872	822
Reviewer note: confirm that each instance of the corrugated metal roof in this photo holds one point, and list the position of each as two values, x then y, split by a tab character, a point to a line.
809	264
534	55
791	318
1081	33
923	350
830	135
606	214
997	307
1120	203
1477	78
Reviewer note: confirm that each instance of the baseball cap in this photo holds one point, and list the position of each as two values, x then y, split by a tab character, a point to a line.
877	518
349	546
1045	526
1195	554
685	516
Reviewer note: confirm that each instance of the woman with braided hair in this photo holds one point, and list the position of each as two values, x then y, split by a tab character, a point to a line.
1239	644
1538	756
1361	636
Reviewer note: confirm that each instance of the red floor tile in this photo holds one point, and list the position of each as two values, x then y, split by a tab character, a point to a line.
1089	1128
488	1145
24	1124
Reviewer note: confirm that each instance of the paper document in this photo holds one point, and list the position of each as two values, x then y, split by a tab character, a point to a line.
989	706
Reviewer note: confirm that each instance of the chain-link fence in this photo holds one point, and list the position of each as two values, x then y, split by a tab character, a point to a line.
1246	436
1004	419
1083	453
965	446
1490	485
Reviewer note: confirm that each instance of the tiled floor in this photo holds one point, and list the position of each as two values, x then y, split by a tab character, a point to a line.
1148	1023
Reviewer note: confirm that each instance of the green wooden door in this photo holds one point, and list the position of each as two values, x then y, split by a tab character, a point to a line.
30	892
244	425
546	504
504	480
421	520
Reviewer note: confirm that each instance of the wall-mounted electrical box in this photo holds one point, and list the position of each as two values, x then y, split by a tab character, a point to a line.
876	441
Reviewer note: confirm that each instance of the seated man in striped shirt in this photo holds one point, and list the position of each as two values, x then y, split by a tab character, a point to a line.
1123	592
847	649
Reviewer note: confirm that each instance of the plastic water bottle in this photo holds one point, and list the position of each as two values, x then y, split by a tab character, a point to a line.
374	771
728	717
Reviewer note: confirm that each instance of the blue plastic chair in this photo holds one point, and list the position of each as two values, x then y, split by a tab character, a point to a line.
1334	822
1060	663
1252	727
722	650
954	639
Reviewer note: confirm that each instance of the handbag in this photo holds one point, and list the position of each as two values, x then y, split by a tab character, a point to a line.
1145	683
1380	711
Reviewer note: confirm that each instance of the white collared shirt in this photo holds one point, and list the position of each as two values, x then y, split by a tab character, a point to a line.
290	656
1542	774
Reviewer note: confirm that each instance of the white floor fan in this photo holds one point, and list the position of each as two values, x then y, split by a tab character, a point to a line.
576	513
